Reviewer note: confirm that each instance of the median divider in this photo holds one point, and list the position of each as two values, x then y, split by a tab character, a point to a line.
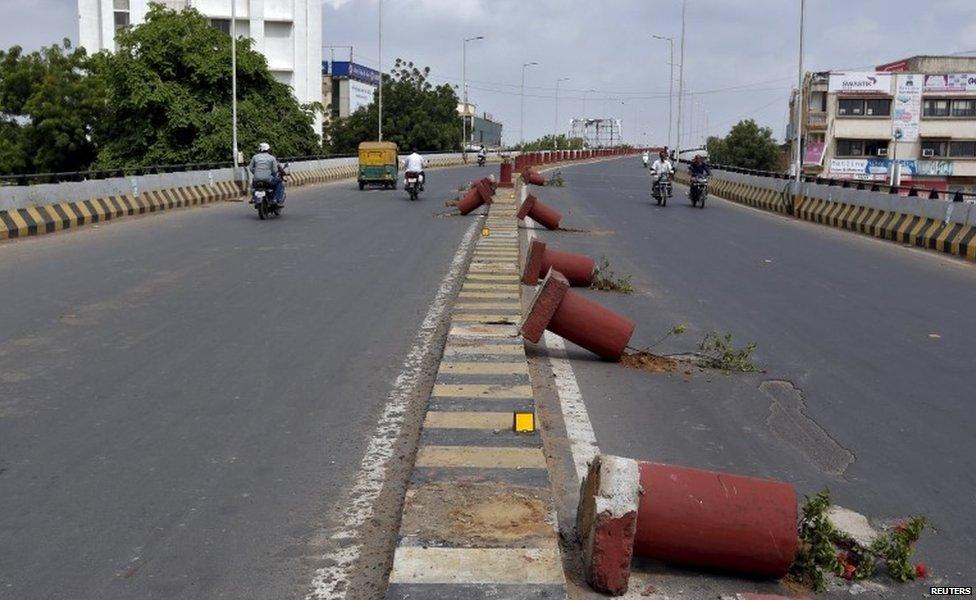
478	515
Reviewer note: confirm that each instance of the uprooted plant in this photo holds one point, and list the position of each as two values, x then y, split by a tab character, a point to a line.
719	352
605	279
555	180
824	549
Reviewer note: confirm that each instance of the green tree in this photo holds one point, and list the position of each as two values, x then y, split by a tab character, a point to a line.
415	115
550	142
747	145
49	103
169	96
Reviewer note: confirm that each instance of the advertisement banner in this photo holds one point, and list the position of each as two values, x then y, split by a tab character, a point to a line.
952	83
814	152
908	108
849	166
870	166
859	83
934	168
360	95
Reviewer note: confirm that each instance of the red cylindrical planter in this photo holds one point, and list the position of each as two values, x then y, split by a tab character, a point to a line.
571	315
577	268
486	188
539	212
534	177
505	174
471	200
711	520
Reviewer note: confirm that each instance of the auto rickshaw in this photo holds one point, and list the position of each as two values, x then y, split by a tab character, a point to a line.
378	164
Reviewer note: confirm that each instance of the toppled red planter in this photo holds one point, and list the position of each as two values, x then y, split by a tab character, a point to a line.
533	177
571	315
690	518
542	214
577	268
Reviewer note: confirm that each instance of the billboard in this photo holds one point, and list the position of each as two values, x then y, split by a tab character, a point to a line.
344	68
859	167
907	109
360	95
950	83
859	83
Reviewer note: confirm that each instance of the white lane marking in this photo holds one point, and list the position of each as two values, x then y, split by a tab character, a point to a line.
332	582
579	429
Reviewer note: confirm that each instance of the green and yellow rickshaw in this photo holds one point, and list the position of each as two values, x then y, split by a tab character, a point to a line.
378	164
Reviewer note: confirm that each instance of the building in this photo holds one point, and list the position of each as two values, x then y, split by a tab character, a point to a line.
347	87
481	129
912	121
287	32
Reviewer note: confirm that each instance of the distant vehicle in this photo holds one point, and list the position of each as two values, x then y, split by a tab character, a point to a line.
263	196
661	190
690	154
411	183
378	164
698	191
481	160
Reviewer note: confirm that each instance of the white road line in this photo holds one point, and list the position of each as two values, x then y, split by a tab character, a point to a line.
579	429
332	582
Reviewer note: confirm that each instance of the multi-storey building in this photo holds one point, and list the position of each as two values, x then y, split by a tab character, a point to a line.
912	121
287	32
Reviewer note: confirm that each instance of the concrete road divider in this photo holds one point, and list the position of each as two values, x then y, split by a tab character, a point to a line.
685	517
571	315
533	177
577	268
544	215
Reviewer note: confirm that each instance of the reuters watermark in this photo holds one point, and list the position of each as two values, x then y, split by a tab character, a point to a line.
950	591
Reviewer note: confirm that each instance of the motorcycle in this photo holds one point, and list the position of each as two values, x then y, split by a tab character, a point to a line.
646	160
699	191
411	183
263	196
661	189
481	160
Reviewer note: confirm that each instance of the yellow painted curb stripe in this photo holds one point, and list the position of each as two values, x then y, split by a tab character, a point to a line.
513	306
455	349
484	368
474	330
480	390
499	319
480	457
488	295
468	420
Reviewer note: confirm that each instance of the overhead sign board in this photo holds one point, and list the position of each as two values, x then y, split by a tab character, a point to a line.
859	83
908	108
950	83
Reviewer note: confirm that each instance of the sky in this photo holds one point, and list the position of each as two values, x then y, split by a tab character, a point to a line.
740	55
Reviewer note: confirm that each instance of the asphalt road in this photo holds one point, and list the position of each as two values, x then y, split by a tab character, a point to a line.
867	349
184	396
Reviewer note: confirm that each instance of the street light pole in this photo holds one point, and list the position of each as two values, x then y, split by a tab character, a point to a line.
233	82
798	133
670	84
555	120
464	93
379	121
522	102
681	78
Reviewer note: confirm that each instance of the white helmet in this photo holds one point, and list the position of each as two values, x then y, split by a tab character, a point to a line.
264	147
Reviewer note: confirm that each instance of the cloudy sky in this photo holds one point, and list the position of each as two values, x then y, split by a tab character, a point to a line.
740	55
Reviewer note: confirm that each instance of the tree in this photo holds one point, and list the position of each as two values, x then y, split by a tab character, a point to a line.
169	96
49	104
747	145
548	142
415	115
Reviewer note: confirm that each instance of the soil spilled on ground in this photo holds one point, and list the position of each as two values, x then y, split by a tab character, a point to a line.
646	361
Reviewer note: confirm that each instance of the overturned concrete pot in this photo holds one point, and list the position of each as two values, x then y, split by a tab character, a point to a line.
533	177
542	214
577	268
571	315
685	517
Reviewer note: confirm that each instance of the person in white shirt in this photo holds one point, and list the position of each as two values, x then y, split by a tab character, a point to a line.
646	158
661	166
415	163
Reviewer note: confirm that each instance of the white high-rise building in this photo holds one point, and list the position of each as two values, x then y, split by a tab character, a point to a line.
287	32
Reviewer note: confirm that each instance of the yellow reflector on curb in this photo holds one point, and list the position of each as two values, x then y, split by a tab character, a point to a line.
485	232
524	422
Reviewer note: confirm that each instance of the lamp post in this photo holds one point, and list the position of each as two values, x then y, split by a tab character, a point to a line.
379	121
798	133
522	101
555	121
670	84
233	83
681	78
464	94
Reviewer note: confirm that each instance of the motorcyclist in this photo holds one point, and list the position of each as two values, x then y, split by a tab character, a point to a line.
646	157
698	167
482	154
265	167
661	167
415	163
